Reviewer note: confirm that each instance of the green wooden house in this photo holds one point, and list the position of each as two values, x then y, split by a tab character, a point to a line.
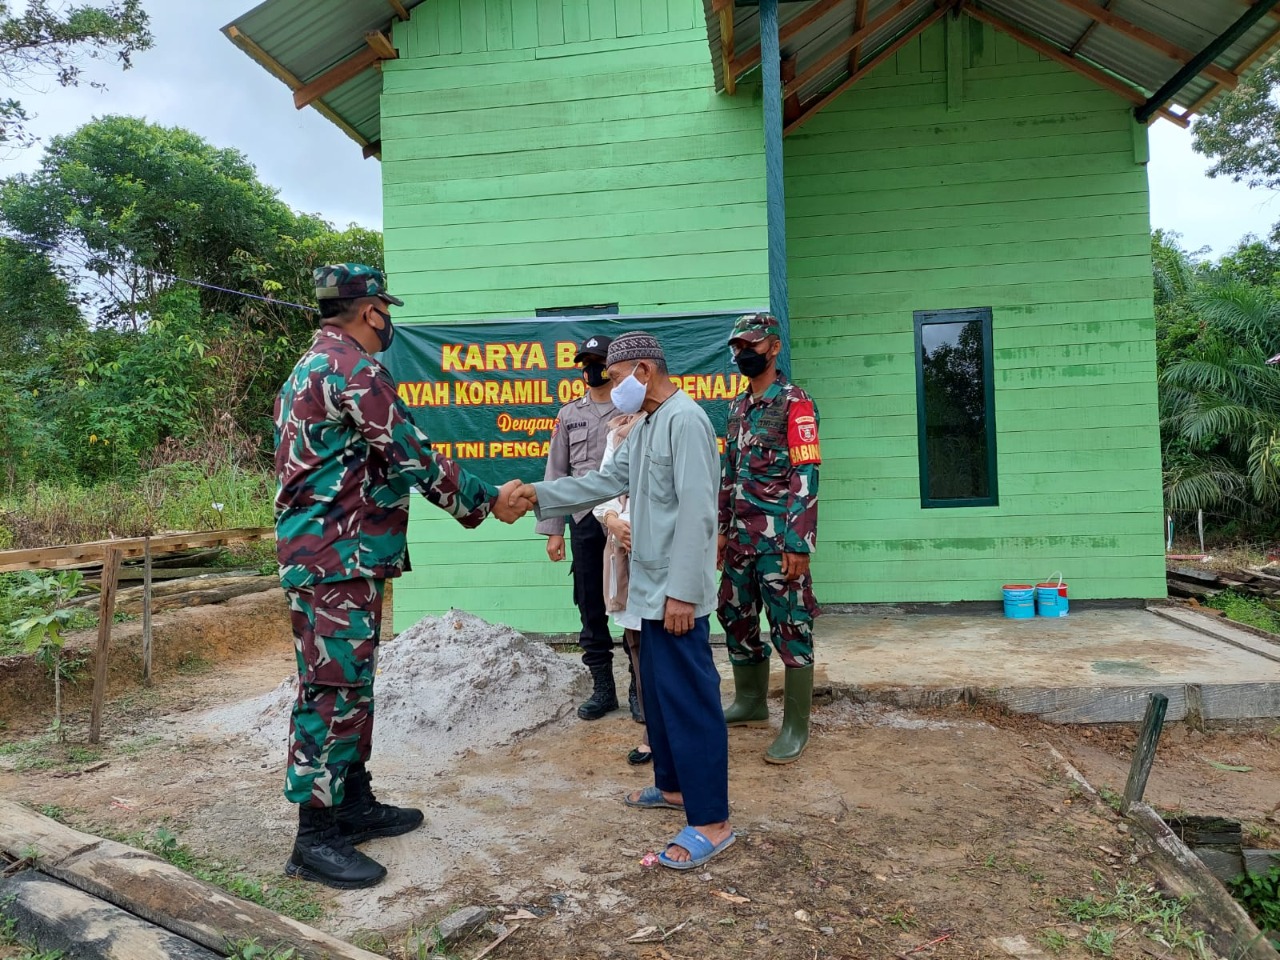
948	201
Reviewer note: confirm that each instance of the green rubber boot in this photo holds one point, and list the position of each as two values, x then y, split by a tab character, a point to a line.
794	736
750	707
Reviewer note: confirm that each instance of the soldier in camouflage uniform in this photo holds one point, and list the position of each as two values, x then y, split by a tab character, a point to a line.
768	528
347	455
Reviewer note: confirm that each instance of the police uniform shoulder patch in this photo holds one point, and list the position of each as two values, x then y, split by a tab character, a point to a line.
802	433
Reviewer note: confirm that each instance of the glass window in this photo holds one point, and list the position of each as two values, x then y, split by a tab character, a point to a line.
955	408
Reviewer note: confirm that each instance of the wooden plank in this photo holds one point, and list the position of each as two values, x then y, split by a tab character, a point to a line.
156	891
812	108
335	77
725	13
1266	46
1229	928
1105	80
82	554
842	50
60	917
106	616
398	7
146	612
1144	754
1100	13
381	44
859	21
807	17
551	22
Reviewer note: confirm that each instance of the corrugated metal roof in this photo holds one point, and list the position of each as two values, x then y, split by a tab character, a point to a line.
1191	24
304	38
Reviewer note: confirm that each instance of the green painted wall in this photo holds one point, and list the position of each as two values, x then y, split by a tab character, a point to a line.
1027	199
545	153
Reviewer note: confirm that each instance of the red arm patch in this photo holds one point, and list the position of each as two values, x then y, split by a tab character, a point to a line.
802	433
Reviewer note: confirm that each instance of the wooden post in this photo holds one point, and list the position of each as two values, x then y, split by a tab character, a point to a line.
146	611
1145	753
106	612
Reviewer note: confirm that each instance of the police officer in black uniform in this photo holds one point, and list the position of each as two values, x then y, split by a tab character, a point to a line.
577	447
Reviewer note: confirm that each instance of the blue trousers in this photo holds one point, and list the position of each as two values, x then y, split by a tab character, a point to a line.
682	711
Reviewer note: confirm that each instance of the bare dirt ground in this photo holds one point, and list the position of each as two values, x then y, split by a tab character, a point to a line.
897	834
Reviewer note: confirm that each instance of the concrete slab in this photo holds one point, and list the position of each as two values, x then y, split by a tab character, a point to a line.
1095	666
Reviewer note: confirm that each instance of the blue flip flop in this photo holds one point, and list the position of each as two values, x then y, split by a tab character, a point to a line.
700	849
651	798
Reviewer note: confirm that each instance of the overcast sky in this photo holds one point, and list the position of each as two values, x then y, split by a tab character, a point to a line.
194	77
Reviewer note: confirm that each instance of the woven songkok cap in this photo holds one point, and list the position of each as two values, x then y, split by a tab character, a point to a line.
636	345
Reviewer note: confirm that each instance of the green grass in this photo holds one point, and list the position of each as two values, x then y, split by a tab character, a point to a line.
1260	896
293	898
1133	906
9	938
1250	611
36	753
252	950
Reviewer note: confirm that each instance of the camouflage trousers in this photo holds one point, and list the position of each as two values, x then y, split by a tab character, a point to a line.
752	580
335	637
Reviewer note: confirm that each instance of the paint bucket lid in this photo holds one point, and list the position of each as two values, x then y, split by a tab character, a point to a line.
1017	586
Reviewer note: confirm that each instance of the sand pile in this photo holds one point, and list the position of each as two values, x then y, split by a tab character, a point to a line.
445	685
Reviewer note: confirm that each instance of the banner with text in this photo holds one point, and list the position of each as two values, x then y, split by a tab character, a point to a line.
487	393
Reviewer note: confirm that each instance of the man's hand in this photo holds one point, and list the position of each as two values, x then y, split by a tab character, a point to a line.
620	530
794	565
721	543
509	506
679	617
522	491
555	548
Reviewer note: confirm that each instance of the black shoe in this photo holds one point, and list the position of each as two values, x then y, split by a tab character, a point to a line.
361	817
604	698
322	854
638	757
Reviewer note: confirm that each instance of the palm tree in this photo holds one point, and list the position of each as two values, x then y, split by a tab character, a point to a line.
1220	406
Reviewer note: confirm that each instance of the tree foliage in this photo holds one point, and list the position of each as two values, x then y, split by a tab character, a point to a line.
151	302
52	41
1240	130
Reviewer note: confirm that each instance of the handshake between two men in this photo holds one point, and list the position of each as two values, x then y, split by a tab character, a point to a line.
515	499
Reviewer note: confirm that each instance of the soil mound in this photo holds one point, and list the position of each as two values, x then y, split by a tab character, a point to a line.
445	685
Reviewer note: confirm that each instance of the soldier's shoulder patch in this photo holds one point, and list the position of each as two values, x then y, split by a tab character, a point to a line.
802	433
555	427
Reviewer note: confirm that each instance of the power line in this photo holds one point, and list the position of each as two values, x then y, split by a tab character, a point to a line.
171	277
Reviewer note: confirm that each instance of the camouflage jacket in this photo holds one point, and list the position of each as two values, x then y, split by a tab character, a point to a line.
769	480
347	455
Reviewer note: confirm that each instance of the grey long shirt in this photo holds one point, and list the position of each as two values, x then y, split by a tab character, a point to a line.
670	466
577	447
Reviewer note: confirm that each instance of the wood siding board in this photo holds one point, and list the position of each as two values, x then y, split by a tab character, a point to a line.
577	24
654	16
602	18
550	22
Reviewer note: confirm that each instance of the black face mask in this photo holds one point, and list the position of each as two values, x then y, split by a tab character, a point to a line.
387	333
752	364
595	375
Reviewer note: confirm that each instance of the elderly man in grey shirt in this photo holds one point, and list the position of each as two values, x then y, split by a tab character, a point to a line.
670	467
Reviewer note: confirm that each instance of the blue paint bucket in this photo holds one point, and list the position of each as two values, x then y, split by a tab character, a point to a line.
1051	598
1019	601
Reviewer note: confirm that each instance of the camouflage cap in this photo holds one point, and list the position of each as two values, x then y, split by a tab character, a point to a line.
348	281
754	327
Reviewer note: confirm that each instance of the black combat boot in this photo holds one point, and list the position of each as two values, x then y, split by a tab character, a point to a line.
604	698
361	817
321	853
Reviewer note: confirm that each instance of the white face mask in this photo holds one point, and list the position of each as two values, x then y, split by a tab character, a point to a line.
628	396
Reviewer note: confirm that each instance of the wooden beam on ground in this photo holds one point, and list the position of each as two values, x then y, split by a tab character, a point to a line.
1265	47
1228	927
1106	80
106	616
845	47
335	77
156	891
398	7
60	917
724	10
90	554
805	18
286	76
1100	14
813	107
859	21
